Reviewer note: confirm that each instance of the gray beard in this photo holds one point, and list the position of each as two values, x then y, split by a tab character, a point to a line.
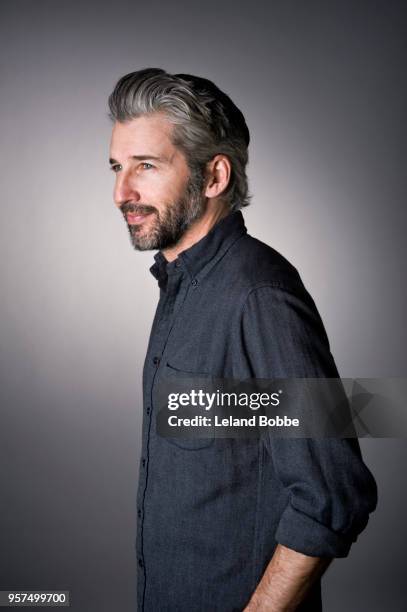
171	223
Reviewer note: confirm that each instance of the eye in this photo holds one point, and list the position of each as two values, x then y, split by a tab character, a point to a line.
147	166
115	167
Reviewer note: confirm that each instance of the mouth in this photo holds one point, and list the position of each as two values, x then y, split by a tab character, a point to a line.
136	218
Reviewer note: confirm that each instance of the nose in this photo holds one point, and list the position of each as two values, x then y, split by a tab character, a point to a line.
125	190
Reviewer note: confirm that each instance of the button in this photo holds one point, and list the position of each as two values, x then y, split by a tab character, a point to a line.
194	282
139	513
148	409
143	462
178	263
156	360
140	562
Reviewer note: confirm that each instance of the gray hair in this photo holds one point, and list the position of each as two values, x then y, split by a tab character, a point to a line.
206	121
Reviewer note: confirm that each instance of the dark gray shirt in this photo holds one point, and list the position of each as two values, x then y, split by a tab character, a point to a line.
211	514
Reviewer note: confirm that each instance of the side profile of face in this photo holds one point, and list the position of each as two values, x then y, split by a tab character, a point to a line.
153	187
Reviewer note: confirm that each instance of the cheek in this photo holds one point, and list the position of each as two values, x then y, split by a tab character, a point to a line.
163	189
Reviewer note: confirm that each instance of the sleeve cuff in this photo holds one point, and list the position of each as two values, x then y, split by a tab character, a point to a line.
305	535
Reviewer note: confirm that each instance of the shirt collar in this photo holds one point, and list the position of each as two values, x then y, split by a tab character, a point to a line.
199	258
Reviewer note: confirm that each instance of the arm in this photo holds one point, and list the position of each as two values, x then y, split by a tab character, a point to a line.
329	490
286	581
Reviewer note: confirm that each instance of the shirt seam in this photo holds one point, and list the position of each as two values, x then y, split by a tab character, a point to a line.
271	285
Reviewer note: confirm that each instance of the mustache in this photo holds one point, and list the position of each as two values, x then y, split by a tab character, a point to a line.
137	209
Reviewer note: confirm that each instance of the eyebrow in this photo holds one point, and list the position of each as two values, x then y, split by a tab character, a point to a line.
140	158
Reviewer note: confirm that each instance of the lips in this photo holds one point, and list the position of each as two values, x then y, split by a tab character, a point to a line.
136	218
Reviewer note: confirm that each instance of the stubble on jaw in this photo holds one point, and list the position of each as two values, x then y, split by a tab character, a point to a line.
168	226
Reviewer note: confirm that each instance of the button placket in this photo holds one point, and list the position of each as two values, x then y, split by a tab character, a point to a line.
171	299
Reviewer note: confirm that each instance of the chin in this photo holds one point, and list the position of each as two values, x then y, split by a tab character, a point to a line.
143	241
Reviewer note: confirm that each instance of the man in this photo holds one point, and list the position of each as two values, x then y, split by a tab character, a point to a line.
224	524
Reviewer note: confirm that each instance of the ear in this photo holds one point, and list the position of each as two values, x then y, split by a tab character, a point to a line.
218	172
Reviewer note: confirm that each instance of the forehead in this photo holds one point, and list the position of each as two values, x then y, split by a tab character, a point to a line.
149	133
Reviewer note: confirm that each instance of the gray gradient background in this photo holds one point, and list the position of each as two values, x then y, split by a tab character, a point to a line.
322	85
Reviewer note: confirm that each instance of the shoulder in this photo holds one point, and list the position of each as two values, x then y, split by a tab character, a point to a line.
261	280
252	264
279	322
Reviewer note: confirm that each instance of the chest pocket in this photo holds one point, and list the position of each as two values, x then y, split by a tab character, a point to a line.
182	420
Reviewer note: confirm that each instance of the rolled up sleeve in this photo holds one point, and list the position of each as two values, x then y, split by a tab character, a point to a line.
330	490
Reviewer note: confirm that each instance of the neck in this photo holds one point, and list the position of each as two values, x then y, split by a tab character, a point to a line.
198	229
